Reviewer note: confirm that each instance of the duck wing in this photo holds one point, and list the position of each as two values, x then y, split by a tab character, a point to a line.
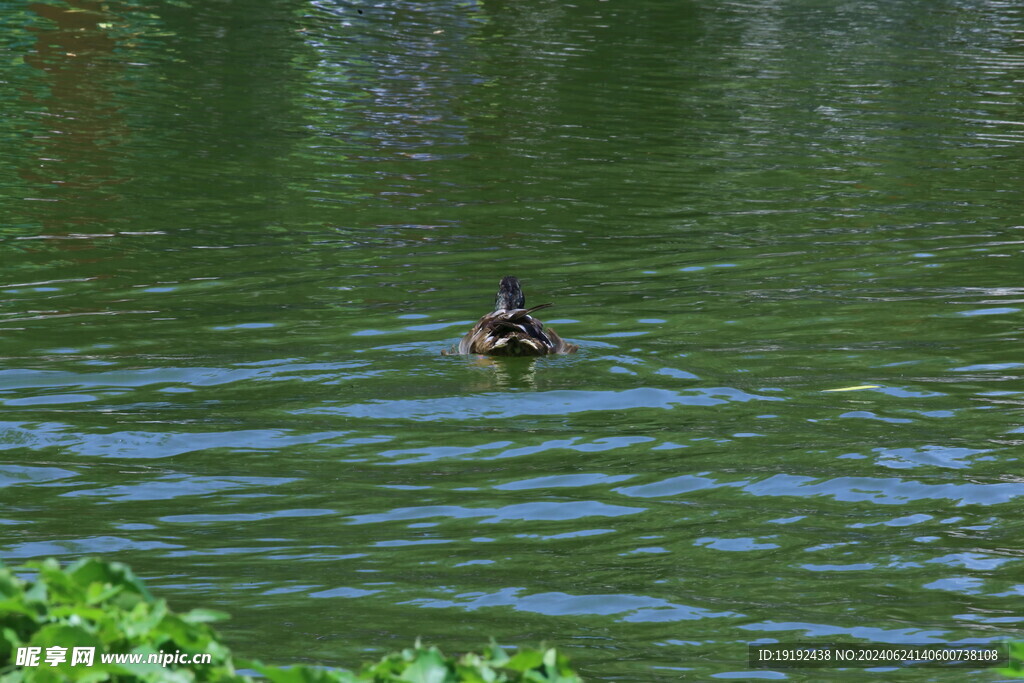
508	333
519	319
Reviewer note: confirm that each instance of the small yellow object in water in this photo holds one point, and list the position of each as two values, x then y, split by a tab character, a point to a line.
863	386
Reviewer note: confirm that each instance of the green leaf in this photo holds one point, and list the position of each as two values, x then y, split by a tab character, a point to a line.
91	570
204	616
1015	667
10	585
103	605
428	667
496	654
300	674
64	635
524	660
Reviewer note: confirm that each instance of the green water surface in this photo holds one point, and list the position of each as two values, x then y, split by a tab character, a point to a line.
235	237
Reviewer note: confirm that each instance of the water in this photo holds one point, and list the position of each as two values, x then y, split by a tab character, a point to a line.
236	238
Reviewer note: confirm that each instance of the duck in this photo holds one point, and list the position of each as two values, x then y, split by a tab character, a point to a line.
510	329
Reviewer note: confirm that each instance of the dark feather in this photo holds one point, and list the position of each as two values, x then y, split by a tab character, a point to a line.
512	332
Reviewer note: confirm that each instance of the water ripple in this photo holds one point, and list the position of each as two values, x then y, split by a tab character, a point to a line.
564	402
632	608
550	512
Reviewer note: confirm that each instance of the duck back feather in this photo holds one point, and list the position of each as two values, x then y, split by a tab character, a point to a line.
513	332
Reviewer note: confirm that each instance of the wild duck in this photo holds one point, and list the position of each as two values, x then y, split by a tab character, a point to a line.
510	330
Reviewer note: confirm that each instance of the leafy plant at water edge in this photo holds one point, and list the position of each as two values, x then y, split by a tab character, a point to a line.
103	605
1015	667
